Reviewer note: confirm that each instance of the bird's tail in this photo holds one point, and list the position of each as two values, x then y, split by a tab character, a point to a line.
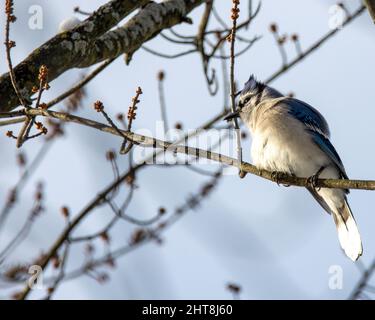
349	237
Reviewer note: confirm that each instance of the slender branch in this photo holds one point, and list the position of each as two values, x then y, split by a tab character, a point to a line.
10	18
168	56
144	236
363	282
316	45
4	212
234	16
64	95
101	197
163	106
204	154
97	234
52	289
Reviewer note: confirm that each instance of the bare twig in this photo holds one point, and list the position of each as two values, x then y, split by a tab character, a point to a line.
11	18
232	39
204	154
280	41
316	45
144	236
163	107
16	190
52	289
363	283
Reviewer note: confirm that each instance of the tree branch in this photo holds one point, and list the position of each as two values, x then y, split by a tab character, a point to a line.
146	141
91	42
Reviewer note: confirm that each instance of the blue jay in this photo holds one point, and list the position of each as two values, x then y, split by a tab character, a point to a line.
290	136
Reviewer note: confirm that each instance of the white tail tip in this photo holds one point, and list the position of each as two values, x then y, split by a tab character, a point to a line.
349	237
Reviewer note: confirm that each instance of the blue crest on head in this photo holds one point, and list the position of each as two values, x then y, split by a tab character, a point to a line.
252	85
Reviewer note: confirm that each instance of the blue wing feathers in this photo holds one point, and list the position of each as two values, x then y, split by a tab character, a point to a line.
318	128
325	145
308	115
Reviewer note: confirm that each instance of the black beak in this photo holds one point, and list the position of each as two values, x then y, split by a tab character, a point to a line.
232	115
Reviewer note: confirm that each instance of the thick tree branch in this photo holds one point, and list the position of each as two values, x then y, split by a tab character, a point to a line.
82	46
141	28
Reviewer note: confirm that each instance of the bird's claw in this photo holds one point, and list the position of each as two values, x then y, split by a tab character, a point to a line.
313	180
277	176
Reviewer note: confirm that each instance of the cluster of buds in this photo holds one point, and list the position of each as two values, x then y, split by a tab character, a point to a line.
161	75
282	39
178	125
10	19
10	134
162	211
110	155
235	12
132	112
65	212
138	236
130	178
11	44
43	106
43	82
43	77
294	37
98	106
42	129
9	11
133	108
275	30
105	237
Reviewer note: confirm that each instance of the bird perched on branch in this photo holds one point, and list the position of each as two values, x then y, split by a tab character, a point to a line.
289	136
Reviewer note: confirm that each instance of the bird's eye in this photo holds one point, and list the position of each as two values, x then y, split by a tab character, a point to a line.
246	100
241	104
